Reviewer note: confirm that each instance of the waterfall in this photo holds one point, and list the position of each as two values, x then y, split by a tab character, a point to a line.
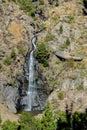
32	96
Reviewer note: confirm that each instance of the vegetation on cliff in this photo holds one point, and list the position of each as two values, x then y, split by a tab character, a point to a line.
66	30
62	121
42	53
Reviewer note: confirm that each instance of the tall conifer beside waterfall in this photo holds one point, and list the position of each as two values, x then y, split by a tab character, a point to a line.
48	120
27	122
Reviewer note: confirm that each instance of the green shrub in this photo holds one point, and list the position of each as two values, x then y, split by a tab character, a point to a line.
61	114
32	13
75	121
55	19
0	120
41	2
42	53
40	7
42	26
60	95
21	50
67	42
7	61
48	120
8	125
80	87
13	55
0	66
1	10
27	6
71	18
28	122
57	3
61	29
49	37
58	61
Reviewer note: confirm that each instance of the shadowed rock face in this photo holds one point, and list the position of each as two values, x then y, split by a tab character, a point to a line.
84	11
38	96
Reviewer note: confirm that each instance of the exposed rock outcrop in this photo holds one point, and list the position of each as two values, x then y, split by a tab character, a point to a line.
67	79
66	56
15	31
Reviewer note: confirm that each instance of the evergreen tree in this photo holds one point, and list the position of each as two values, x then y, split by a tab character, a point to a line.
28	122
48	120
42	53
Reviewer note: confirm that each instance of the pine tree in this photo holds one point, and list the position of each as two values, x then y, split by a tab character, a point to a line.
48	120
28	122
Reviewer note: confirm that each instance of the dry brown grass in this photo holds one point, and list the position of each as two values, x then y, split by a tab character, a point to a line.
6	114
15	30
68	8
76	97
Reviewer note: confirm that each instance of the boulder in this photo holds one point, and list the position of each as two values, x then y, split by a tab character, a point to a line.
66	56
11	106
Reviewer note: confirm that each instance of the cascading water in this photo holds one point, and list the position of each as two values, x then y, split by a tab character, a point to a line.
32	96
33	92
33	101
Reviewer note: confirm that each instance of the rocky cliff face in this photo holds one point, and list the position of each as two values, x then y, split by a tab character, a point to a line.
15	44
66	31
15	34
